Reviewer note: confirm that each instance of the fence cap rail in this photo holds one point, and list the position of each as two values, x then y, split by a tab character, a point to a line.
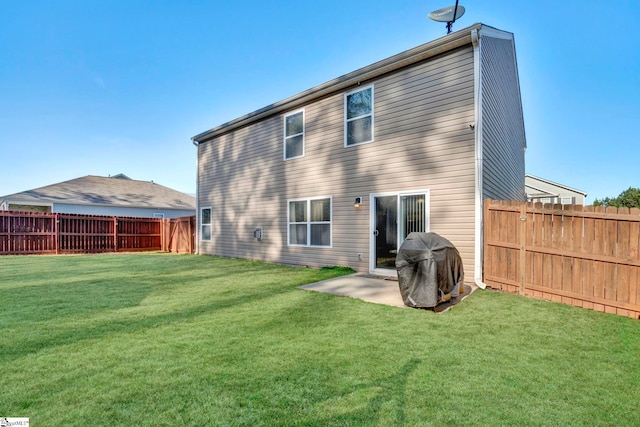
588	211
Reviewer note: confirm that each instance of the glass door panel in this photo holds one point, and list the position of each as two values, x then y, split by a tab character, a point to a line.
386	231
412	214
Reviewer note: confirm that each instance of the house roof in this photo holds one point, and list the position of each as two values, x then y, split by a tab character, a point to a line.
538	192
116	191
537	178
443	44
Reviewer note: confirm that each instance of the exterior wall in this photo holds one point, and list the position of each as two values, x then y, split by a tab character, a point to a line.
422	141
502	127
27	208
116	211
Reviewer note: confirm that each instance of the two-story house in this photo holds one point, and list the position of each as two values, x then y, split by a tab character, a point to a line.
340	173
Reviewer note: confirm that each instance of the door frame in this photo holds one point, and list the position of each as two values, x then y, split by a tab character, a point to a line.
372	220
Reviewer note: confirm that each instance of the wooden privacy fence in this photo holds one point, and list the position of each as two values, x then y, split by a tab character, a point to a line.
179	235
583	256
58	233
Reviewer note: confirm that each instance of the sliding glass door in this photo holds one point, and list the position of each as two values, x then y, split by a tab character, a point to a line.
394	216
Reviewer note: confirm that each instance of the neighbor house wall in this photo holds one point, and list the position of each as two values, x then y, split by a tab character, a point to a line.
423	140
27	207
502	127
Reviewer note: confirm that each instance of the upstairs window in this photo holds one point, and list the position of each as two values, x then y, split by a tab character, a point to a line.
310	222
358	113
294	135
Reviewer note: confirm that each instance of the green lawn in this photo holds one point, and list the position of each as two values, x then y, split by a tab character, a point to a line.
162	339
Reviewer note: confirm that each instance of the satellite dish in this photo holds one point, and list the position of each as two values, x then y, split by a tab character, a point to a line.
448	14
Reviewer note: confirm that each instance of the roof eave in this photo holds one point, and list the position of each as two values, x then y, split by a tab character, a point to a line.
556	184
411	56
50	202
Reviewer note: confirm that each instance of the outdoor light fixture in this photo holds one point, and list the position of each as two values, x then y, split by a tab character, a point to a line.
357	203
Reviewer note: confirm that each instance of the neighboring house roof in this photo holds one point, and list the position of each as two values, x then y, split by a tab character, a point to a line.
393	63
116	191
549	182
536	192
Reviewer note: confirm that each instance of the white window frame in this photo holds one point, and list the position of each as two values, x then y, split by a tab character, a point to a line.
566	200
346	120
285	137
308	221
203	224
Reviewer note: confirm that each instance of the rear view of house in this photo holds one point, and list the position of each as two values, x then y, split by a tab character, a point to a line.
340	174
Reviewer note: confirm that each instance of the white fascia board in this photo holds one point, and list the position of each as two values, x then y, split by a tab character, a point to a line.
495	33
528	175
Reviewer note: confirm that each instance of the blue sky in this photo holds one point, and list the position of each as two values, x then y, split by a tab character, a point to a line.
105	87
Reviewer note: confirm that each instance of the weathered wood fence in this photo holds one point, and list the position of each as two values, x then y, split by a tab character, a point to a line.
579	255
58	233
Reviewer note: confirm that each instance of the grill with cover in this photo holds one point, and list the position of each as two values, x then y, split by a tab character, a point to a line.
429	269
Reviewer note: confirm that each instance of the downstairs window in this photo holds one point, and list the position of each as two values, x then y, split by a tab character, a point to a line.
309	222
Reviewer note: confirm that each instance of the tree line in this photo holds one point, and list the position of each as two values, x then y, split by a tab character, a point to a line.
629	198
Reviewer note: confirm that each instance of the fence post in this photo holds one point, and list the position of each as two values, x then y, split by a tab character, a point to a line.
164	244
485	238
10	224
192	234
115	234
56	233
523	248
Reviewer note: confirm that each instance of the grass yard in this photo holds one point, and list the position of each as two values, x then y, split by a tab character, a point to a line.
161	339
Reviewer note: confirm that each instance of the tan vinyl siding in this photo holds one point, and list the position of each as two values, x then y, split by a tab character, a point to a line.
422	141
503	133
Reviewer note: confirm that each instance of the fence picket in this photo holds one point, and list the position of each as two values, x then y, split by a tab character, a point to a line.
622	282
634	287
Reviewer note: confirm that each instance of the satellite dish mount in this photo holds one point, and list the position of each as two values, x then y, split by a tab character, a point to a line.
448	14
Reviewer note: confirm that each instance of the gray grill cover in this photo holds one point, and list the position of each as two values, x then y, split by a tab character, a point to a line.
429	267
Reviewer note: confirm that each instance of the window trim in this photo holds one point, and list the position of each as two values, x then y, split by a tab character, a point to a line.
209	224
285	137
346	120
308	222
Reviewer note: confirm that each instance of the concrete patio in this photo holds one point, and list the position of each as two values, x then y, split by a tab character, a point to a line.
376	289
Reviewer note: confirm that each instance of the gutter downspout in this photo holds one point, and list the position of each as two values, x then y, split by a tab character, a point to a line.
197	230
479	212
